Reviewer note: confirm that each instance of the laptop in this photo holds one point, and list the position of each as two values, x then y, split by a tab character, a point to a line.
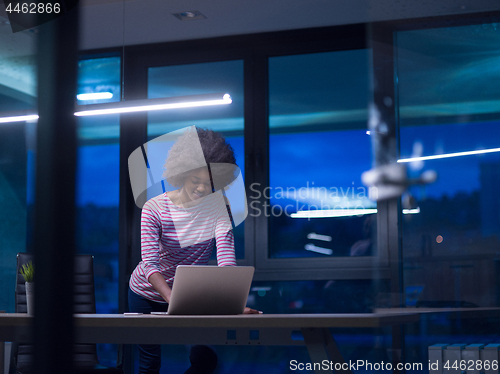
203	289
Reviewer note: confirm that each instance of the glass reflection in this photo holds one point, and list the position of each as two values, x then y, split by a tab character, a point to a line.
449	104
318	206
18	82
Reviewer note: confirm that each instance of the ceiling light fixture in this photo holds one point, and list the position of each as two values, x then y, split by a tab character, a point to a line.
411	211
133	106
327	213
189	15
19	118
448	155
155	104
94	96
315	248
314	236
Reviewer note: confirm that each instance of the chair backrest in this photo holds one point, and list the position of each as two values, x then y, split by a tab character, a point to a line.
84	302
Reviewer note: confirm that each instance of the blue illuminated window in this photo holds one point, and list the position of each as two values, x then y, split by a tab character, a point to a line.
97	197
448	104
318	149
99	80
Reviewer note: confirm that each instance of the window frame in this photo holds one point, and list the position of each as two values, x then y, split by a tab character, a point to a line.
334	268
255	50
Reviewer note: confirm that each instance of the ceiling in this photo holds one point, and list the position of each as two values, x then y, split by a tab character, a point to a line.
111	23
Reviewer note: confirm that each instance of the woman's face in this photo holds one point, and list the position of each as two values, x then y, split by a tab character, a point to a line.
197	185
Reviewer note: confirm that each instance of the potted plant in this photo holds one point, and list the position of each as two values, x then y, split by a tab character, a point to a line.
28	272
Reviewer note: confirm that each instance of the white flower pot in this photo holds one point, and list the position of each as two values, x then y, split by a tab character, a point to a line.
30	297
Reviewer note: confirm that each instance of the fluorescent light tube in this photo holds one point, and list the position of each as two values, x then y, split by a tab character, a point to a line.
314	248
411	211
133	106
19	118
448	155
255	289
94	96
314	236
326	213
154	104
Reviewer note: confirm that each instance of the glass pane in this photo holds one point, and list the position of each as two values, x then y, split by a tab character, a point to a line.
449	103
318	150
325	296
99	80
450	115
97	209
196	79
97	198
18	82
97	226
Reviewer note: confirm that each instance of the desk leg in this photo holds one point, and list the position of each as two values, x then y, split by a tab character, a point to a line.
321	346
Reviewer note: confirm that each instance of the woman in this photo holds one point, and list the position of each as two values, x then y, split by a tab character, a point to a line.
180	227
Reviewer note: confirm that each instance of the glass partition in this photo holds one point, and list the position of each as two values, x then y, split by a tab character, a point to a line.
18	82
99	80
450	122
319	147
449	118
97	178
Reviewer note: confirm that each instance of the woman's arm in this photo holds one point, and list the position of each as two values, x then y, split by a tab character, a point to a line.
160	284
224	237
150	249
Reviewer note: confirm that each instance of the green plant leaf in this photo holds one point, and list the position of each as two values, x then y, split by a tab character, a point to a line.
27	271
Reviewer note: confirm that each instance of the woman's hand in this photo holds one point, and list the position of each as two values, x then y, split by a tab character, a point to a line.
160	285
251	311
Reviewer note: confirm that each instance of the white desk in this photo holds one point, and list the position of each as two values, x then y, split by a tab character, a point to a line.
251	329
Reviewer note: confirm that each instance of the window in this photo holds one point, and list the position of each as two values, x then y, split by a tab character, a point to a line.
18	81
97	223
449	104
99	80
97	199
318	150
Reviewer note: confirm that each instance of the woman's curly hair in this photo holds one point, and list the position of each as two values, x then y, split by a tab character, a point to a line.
182	159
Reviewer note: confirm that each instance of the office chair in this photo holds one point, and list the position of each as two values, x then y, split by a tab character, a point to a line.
85	355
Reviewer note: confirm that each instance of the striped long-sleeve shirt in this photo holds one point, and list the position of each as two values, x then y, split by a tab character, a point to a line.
173	235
